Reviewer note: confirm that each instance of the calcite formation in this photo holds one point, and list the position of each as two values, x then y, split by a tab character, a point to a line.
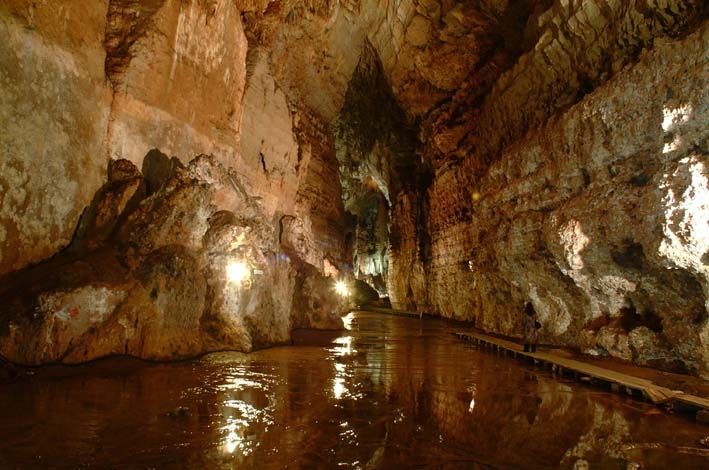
463	157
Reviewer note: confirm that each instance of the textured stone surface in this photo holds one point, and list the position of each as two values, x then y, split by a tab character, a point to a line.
269	148
426	47
51	144
117	79
318	208
178	76
583	217
572	48
159	286
488	153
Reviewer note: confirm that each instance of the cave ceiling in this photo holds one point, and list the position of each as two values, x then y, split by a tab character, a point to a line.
427	48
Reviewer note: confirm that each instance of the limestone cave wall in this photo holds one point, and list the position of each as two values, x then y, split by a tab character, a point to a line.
477	155
146	147
584	193
54	110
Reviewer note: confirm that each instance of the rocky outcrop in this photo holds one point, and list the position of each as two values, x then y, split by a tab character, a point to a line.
114	80
178	75
136	76
174	277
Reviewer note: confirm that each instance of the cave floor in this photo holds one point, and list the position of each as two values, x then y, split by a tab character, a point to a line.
389	392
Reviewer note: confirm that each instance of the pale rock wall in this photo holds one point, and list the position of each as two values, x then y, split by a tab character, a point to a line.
173	79
144	276
579	45
315	53
568	49
598	217
52	145
163	287
288	159
124	78
319	209
180	82
269	149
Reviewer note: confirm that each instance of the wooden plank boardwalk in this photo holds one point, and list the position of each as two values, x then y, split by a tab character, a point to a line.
580	370
618	381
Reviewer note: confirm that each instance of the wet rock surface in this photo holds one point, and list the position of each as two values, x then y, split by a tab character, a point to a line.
385	393
174	278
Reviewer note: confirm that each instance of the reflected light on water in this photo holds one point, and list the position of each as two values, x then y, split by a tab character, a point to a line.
236	427
343	346
338	387
408	396
472	389
249	412
239	383
234	439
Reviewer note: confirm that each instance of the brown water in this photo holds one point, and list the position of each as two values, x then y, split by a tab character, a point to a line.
390	392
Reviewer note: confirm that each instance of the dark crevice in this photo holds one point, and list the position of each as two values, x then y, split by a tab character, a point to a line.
262	159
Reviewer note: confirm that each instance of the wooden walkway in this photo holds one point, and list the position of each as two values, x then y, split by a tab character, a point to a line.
618	381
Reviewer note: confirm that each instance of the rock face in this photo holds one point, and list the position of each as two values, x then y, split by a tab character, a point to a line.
173	278
111	84
177	74
374	145
51	144
595	212
115	81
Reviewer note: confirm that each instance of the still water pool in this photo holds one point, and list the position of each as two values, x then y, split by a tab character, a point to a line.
389	392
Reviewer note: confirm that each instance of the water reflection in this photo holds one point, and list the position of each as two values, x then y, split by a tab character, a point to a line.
390	392
343	346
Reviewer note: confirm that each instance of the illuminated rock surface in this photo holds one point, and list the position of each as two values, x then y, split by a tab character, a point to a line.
598	217
181	177
174	278
388	393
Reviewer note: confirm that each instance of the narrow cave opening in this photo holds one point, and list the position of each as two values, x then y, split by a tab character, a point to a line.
375	145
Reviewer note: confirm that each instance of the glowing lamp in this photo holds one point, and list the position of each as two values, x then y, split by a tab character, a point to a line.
237	271
341	288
